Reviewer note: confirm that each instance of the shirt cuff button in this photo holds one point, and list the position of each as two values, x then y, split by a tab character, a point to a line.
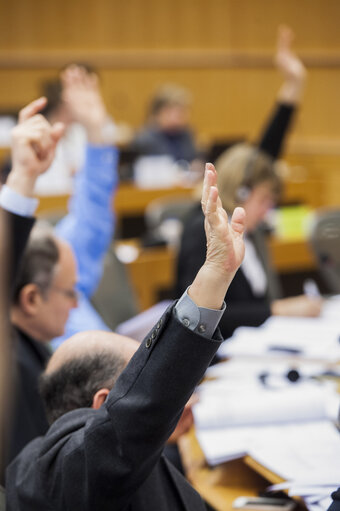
186	322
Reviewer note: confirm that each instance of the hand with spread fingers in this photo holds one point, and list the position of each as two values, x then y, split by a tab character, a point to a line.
34	141
225	246
82	95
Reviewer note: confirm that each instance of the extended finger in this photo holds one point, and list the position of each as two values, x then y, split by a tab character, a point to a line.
31	109
238	220
209	181
211	207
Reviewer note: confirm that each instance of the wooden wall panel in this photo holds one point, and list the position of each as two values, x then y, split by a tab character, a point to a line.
220	49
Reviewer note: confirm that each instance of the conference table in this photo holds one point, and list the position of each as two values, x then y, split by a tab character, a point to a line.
153	269
222	484
129	200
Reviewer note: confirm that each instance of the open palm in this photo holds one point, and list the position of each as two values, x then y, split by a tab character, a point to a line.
225	246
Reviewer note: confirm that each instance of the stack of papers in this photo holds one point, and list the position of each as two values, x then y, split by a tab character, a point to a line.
257	405
302	451
311	338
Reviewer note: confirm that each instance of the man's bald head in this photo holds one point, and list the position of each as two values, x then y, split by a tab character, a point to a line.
93	342
80	367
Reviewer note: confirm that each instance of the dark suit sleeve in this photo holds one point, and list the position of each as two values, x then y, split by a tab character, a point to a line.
276	130
19	228
101	467
335	506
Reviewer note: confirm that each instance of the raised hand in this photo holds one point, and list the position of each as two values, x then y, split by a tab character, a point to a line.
83	98
225	246
34	142
290	65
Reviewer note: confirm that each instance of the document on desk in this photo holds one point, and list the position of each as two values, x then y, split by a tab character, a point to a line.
302	451
222	405
313	338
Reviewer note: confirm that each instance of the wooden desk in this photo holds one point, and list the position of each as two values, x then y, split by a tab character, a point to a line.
129	200
154	268
222	484
291	255
132	201
151	272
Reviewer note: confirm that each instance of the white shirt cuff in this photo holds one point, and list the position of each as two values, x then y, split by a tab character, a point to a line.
18	204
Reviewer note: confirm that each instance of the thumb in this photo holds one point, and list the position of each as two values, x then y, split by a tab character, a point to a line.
58	130
238	220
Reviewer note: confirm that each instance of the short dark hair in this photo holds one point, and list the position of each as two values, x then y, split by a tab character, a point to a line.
168	95
75	383
38	264
53	91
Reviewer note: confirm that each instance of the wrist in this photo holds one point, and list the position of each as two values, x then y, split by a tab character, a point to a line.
21	183
210	287
96	131
291	91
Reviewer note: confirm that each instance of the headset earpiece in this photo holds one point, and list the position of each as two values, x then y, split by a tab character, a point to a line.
242	193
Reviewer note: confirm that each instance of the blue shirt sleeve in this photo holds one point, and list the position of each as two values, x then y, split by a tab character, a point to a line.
89	225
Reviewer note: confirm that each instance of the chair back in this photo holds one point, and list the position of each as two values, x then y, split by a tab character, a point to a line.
325	242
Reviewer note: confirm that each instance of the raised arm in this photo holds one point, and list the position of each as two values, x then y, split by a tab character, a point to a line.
88	227
289	95
34	142
123	441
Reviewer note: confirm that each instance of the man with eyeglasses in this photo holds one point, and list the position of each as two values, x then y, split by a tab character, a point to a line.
52	271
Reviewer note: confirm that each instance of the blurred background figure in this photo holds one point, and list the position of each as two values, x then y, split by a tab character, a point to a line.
167	133
249	176
62	107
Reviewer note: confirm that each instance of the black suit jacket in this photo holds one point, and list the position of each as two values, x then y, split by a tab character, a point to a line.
244	308
335	506
19	228
111	459
27	418
28	413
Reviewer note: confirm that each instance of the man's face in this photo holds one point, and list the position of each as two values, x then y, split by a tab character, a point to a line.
54	306
173	118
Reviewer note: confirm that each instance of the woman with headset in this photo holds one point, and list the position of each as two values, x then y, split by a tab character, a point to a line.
249	176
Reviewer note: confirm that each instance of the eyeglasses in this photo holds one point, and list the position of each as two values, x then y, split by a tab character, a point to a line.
72	294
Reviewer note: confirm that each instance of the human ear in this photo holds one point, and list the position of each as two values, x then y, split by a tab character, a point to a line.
99	398
30	299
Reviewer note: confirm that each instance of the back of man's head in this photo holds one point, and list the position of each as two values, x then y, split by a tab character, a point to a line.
38	262
81	367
